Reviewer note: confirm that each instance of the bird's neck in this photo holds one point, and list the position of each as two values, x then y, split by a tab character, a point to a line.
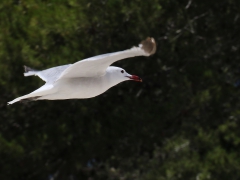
112	79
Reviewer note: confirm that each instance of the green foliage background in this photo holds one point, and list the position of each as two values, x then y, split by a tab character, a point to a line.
181	123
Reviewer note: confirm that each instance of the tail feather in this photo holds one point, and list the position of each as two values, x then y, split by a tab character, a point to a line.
29	71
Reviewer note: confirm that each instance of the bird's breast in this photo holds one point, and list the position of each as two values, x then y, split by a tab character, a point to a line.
82	87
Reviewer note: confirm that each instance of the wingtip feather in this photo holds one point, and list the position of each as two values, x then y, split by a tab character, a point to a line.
29	71
149	46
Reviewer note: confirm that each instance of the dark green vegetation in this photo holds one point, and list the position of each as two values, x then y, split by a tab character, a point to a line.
181	123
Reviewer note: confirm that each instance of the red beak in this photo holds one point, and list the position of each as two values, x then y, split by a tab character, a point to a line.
135	78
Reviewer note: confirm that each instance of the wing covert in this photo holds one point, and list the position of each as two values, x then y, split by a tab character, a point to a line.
52	74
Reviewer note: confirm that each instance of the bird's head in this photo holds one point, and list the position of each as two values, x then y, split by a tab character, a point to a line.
121	75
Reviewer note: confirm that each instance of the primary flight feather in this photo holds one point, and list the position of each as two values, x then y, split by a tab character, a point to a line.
86	78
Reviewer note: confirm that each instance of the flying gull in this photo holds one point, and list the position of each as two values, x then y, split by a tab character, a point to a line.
86	78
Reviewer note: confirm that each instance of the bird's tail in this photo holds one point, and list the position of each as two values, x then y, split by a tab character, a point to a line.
29	71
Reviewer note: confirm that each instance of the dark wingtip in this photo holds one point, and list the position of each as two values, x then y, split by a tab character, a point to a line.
29	99
27	69
149	45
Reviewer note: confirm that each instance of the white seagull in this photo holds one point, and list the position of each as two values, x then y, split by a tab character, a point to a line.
86	78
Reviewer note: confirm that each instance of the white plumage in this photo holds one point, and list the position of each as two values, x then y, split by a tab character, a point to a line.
86	78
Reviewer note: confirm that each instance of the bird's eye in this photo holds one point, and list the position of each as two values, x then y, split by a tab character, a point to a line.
122	71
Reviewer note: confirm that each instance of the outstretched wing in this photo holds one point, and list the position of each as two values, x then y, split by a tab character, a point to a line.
96	66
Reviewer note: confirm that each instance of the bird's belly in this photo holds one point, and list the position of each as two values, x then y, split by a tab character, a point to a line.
78	88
